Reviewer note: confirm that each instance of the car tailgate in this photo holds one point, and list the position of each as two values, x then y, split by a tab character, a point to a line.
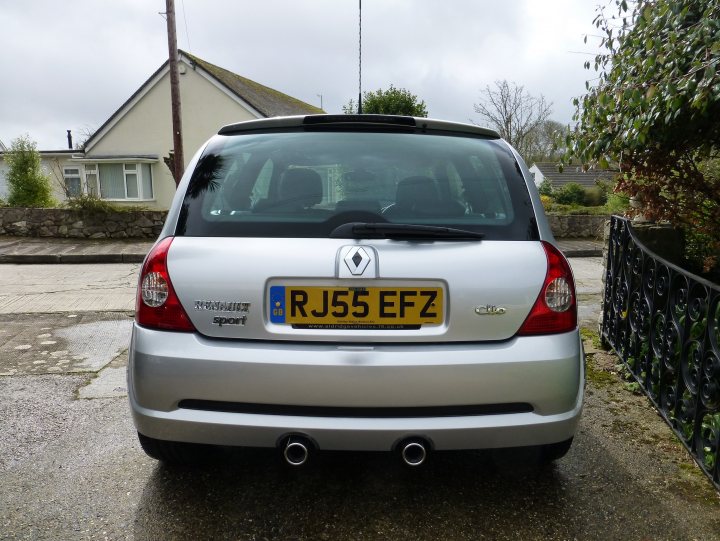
484	289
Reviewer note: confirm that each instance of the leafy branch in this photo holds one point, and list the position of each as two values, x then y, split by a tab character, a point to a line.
654	108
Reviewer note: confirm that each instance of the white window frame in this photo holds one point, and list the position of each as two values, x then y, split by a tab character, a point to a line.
79	176
136	171
91	169
94	169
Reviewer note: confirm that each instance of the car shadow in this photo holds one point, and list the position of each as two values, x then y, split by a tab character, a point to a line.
250	494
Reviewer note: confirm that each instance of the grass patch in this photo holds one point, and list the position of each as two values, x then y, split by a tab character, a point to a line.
597	376
692	485
688	467
590	335
600	370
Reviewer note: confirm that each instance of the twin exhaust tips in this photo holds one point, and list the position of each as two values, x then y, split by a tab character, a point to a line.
296	451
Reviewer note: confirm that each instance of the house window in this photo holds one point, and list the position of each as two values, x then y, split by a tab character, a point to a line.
131	181
91	181
146	181
73	182
119	181
112	181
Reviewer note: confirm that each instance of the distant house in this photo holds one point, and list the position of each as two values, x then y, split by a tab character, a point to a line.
123	161
571	173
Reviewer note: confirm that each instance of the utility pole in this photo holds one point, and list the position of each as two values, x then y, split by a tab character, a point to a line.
178	157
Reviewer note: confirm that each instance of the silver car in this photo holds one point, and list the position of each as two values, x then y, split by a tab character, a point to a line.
341	282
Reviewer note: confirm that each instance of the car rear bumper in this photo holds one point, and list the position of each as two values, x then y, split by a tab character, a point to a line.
545	372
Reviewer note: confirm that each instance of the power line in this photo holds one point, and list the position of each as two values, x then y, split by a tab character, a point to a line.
187	34
359	57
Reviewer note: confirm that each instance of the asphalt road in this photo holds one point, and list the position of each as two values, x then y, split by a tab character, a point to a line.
71	467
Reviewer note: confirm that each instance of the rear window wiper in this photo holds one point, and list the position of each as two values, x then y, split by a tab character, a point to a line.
362	230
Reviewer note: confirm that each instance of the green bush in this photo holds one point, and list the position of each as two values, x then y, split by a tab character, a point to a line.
94	205
570	194
595	197
617	203
704	247
700	256
89	203
546	187
606	186
576	195
29	185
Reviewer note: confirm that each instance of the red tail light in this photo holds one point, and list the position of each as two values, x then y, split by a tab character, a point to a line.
157	305
555	310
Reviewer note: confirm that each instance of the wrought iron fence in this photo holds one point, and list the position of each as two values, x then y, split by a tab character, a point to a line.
664	323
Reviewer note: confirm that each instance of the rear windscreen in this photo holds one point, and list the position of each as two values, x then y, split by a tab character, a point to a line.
307	183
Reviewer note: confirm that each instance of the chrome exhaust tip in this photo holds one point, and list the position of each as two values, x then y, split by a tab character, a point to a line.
413	452
296	451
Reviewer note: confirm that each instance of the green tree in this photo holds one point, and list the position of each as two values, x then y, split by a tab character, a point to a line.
29	185
655	107
393	101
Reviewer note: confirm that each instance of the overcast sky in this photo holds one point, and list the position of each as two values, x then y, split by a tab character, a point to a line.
71	64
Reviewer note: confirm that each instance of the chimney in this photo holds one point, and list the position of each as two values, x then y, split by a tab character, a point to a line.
69	136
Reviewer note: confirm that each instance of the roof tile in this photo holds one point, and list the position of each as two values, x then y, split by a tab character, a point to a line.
574	173
268	101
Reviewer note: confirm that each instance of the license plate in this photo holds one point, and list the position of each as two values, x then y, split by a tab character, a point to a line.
312	307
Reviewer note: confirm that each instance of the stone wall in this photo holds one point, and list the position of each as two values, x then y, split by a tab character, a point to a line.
576	226
147	224
28	222
663	239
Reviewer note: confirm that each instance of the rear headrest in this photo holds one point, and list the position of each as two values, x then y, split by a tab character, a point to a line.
417	193
301	186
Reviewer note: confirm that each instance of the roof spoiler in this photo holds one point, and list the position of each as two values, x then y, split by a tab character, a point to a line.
360	119
331	122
